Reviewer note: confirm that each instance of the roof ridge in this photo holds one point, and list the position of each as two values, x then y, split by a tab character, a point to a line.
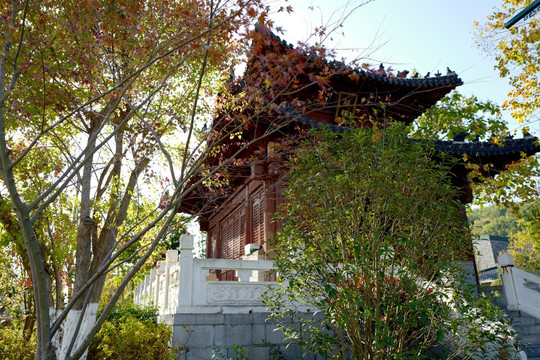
437	80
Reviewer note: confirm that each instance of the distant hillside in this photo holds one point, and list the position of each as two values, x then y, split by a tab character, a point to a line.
493	221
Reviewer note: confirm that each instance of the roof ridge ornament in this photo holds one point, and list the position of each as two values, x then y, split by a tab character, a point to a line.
381	70
460	137
402	74
450	72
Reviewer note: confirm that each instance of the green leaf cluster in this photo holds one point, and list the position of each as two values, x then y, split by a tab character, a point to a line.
131	310
455	114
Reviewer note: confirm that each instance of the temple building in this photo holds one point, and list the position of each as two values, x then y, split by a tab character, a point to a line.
237	218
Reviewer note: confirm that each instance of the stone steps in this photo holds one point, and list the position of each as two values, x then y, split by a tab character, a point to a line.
533	352
528	328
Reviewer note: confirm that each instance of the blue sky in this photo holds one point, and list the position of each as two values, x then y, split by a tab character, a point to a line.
426	35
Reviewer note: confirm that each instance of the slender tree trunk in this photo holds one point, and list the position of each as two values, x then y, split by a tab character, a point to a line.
45	349
83	258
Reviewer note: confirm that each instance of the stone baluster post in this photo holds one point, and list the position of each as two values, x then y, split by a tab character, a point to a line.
160	273
136	296
172	257
153	287
244	275
146	288
185	282
506	261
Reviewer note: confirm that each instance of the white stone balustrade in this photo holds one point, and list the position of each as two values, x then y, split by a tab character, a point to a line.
520	287
183	284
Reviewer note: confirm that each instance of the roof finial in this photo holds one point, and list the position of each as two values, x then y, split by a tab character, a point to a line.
381	70
402	74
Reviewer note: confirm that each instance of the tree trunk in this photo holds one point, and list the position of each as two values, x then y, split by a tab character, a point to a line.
83	258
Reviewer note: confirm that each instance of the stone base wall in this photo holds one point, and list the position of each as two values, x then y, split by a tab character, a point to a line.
199	335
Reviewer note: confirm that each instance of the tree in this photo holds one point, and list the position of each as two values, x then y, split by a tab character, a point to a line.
481	120
94	97
370	230
525	244
516	52
493	221
456	114
514	189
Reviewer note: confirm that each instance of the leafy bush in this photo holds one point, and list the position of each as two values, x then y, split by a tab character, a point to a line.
131	332
13	346
145	313
370	238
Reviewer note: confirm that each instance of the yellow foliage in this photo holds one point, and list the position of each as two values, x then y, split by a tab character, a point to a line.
517	53
13	345
525	251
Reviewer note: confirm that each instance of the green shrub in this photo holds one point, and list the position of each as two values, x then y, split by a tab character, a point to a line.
135	311
13	346
131	332
370	238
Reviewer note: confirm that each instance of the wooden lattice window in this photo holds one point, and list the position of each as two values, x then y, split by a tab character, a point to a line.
213	241
233	234
242	235
226	238
257	216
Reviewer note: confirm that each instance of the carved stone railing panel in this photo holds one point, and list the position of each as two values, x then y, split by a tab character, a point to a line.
225	293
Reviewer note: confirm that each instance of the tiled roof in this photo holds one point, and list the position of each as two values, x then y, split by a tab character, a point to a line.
317	124
429	82
477	148
378	93
292	112
418	83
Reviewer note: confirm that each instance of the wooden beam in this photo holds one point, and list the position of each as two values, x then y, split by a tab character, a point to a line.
528	11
